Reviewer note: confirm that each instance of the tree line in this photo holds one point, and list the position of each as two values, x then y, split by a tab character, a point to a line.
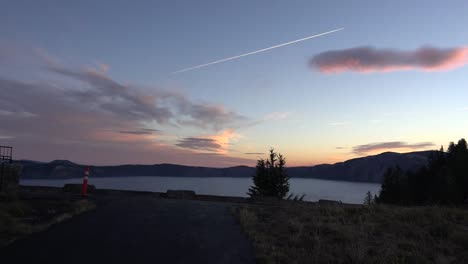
443	181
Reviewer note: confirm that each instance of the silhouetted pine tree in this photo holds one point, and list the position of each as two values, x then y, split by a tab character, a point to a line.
368	200
392	187
270	177
457	162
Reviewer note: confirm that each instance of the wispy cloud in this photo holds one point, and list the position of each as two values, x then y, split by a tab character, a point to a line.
369	59
162	106
15	113
254	153
277	116
84	109
144	131
199	143
385	146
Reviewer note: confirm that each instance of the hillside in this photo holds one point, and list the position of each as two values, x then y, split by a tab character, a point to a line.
365	169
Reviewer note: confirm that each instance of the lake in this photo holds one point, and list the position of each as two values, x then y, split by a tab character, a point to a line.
314	189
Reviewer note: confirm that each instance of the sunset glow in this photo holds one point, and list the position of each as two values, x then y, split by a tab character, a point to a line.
94	90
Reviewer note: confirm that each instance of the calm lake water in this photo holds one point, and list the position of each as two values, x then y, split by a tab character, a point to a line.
314	189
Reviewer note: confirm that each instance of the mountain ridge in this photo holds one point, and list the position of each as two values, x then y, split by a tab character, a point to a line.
362	169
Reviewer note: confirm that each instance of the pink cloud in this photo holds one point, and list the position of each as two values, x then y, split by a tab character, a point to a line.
369	59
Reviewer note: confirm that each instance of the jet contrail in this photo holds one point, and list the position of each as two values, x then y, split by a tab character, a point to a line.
254	52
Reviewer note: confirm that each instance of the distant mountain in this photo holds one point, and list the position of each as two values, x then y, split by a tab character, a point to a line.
366	169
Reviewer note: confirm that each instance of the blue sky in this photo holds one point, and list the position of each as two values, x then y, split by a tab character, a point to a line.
270	99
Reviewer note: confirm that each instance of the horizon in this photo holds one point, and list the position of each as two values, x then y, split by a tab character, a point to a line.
188	165
93	83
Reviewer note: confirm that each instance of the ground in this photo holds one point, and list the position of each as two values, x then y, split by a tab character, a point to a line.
139	229
144	227
26	213
296	232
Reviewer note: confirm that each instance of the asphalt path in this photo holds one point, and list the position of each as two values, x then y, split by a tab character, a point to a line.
139	230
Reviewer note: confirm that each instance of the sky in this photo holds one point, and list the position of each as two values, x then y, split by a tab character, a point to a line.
94	82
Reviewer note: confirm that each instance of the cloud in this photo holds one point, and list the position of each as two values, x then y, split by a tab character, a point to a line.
277	116
19	54
218	143
340	148
109	97
15	113
63	127
205	115
144	131
103	67
369	59
384	146
199	143
254	153
162	106
86	116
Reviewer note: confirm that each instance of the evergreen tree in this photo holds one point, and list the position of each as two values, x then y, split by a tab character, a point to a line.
270	177
443	181
391	190
368	200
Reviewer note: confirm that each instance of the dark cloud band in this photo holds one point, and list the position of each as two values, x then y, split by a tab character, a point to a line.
199	143
365	149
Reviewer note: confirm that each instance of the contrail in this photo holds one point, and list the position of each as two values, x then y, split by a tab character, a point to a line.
255	52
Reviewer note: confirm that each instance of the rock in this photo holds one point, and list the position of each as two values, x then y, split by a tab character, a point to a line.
181	194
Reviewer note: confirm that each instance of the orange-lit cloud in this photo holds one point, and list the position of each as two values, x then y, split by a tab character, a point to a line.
226	137
125	136
218	143
369	59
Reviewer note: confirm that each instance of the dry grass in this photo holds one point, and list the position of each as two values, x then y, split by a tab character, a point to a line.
294	232
19	218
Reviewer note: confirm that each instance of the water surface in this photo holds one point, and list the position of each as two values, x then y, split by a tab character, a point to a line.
314	189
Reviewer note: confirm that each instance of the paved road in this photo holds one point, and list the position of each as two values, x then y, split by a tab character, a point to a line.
139	230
